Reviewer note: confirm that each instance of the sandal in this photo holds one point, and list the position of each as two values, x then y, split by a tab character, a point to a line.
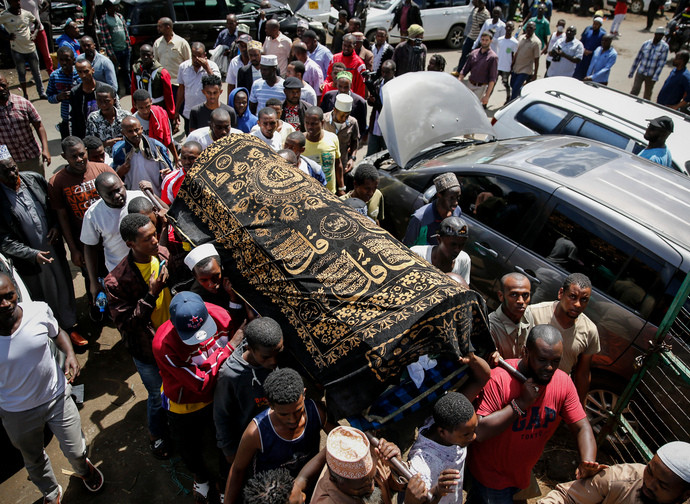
159	449
94	481
200	492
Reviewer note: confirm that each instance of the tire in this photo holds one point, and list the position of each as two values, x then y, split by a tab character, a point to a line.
636	6
455	36
604	392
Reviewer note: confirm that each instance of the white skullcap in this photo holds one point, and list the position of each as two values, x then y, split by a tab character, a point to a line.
4	153
676	456
269	60
343	102
199	254
598	19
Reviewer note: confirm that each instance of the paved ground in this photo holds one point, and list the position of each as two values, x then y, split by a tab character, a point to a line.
114	411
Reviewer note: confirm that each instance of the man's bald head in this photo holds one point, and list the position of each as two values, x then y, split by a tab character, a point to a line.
545	332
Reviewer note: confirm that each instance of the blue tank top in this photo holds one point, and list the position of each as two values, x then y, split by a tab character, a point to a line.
293	454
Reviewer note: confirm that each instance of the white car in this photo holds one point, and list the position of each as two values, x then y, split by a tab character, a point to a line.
567	106
639	6
442	19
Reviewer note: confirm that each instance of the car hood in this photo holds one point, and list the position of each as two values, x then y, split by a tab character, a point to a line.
423	108
295	5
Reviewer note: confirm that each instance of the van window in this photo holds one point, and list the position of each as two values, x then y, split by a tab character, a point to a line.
436	4
579	127
503	204
198	10
541	117
615	265
460	3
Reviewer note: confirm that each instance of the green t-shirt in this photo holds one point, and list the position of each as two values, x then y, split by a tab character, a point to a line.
117	32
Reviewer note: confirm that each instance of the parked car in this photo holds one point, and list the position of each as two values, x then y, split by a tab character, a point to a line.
626	217
639	6
563	105
443	19
202	21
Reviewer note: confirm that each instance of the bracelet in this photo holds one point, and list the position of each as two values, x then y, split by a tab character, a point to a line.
344	188
516	408
235	306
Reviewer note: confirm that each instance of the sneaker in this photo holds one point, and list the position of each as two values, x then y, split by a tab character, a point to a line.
94	481
200	491
77	340
56	500
43	96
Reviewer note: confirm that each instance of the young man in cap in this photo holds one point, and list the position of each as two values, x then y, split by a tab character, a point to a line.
410	55
355	472
580	335
517	419
364	53
270	85
650	60
664	480
238	61
424	223
139	301
324	148
34	392
656	134
294	107
346	128
251	71
239	394
190	349
448	255
285	435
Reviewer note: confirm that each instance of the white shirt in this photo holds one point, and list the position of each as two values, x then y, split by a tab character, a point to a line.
191	79
102	221
564	67
461	265
499	31
233	68
203	135
428	459
29	374
555	37
506	49
275	141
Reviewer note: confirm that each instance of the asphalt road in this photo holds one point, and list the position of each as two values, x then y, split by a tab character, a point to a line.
113	415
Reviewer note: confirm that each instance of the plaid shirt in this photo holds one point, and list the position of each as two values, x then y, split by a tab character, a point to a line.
106	38
650	60
16	119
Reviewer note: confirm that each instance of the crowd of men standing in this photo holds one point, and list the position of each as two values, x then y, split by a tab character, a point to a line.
205	358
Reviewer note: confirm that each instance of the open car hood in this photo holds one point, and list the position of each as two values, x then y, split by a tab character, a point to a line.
295	5
423	108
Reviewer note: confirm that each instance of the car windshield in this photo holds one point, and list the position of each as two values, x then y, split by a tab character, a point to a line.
573	159
478	153
381	4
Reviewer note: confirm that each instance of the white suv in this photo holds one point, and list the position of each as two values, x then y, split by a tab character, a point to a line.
566	106
442	19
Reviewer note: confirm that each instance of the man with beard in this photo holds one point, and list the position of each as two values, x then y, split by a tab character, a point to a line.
664	480
424	223
517	419
579	333
354	475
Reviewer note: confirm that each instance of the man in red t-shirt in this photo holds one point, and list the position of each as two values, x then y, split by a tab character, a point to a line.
353	64
516	420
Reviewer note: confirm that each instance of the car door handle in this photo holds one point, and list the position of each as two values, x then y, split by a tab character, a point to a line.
485	248
529	274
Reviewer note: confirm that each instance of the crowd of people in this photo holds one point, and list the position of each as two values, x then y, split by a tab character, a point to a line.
208	360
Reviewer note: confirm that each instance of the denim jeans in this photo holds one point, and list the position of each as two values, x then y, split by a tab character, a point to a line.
20	61
152	380
516	83
479	494
123	69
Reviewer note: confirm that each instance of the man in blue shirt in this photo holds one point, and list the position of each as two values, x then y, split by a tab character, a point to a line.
591	40
650	60
603	59
657	132
103	68
676	90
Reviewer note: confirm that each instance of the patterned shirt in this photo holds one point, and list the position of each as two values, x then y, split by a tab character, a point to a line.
99	126
59	82
16	119
650	59
106	38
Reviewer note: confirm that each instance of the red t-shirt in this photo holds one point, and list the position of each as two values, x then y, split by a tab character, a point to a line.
507	459
621	8
76	193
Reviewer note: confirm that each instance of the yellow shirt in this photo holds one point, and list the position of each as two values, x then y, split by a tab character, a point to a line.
171	54
325	152
161	312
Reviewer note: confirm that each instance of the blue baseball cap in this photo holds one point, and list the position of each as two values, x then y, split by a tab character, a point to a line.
190	318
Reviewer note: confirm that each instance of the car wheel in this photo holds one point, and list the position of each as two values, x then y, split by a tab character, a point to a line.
604	393
636	6
455	36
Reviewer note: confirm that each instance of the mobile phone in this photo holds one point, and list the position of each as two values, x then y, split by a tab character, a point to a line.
160	266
